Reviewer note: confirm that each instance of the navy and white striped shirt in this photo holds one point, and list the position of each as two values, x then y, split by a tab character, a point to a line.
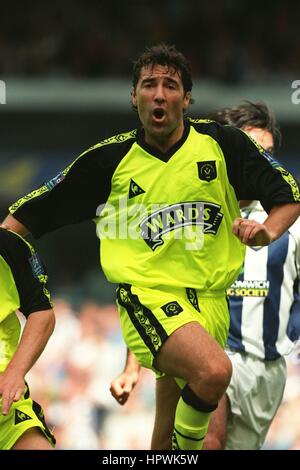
264	301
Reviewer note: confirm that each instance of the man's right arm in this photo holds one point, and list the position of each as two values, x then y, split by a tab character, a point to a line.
11	223
73	195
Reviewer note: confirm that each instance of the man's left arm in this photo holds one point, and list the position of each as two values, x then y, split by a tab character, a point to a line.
280	218
255	175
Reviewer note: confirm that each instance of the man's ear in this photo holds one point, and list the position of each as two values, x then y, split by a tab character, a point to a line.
133	98
187	100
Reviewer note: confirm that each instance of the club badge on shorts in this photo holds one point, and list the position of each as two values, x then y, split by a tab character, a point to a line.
172	308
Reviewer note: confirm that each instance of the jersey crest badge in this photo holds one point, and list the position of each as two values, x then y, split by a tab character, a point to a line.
207	170
134	189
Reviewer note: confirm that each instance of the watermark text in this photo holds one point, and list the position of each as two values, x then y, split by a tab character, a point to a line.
2	92
295	97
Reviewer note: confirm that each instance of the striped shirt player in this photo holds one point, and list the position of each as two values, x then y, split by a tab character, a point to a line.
22	286
263	302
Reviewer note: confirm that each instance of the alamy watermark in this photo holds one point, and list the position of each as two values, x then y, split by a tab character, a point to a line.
2	92
295	97
155	224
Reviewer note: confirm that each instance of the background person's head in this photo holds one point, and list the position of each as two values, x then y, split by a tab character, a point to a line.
256	119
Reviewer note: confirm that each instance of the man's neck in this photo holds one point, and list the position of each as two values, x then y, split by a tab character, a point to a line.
164	142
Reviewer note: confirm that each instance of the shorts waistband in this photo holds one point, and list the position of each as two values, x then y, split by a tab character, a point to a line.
203	293
209	293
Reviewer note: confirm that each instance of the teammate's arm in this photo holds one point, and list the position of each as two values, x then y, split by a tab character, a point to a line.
38	329
30	279
280	218
122	386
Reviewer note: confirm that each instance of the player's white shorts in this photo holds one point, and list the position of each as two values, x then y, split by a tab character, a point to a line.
255	393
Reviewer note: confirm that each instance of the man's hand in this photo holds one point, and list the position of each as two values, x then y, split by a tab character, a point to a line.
12	387
251	233
122	386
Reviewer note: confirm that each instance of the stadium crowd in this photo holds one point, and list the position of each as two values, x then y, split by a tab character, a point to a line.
94	39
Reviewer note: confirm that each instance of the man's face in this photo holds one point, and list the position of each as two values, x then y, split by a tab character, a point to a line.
160	100
262	136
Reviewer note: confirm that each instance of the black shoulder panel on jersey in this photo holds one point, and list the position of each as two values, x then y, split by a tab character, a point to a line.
12	247
228	138
24	265
253	173
74	194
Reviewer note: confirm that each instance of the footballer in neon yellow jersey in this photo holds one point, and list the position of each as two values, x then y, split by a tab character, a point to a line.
165	202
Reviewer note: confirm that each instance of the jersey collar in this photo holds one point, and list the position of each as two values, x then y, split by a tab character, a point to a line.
164	156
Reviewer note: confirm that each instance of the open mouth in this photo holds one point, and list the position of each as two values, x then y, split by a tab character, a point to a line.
158	113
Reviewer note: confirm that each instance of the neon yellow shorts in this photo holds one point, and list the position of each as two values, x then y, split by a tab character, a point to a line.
149	316
24	414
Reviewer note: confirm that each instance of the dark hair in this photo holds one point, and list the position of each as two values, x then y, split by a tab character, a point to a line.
163	54
249	114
